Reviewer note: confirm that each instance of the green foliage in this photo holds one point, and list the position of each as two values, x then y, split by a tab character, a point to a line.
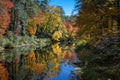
31	19
44	5
21	11
50	23
1	40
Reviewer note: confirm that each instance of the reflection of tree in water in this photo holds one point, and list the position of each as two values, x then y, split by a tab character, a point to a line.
38	64
69	55
51	61
32	64
102	64
4	75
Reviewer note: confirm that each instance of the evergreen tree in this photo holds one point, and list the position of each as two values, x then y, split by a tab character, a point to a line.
22	10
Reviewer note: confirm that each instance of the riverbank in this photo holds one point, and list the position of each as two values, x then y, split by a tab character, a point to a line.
14	41
99	60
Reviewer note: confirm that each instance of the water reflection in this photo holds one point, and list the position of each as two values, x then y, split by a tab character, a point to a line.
3	72
65	72
99	64
51	63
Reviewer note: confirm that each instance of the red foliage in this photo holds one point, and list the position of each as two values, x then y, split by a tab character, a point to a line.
5	8
70	27
4	75
70	55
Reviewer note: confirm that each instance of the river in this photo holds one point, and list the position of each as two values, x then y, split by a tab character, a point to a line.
59	62
54	62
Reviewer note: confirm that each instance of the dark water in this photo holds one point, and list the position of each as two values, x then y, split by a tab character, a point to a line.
54	62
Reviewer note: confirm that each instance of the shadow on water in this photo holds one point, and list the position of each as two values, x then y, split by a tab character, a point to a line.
54	62
99	63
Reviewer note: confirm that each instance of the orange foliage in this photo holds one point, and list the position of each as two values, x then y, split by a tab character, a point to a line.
39	68
32	26
31	55
3	72
5	7
32	23
69	54
71	29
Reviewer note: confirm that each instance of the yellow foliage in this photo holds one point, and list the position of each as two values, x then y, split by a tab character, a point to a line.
33	65
32	26
55	68
39	68
56	49
57	35
30	59
57	9
52	21
31	55
33	22
54	9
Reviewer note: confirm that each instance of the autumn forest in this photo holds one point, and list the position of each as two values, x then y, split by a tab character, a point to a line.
38	41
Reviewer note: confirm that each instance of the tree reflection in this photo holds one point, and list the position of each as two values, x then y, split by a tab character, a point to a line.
4	75
99	64
38	67
40	64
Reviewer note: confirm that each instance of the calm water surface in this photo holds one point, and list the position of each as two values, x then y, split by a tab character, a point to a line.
58	62
51	63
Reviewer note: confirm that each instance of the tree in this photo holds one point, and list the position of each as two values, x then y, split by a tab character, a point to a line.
97	15
34	22
21	12
62	12
51	22
98	23
32	26
44	5
5	10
